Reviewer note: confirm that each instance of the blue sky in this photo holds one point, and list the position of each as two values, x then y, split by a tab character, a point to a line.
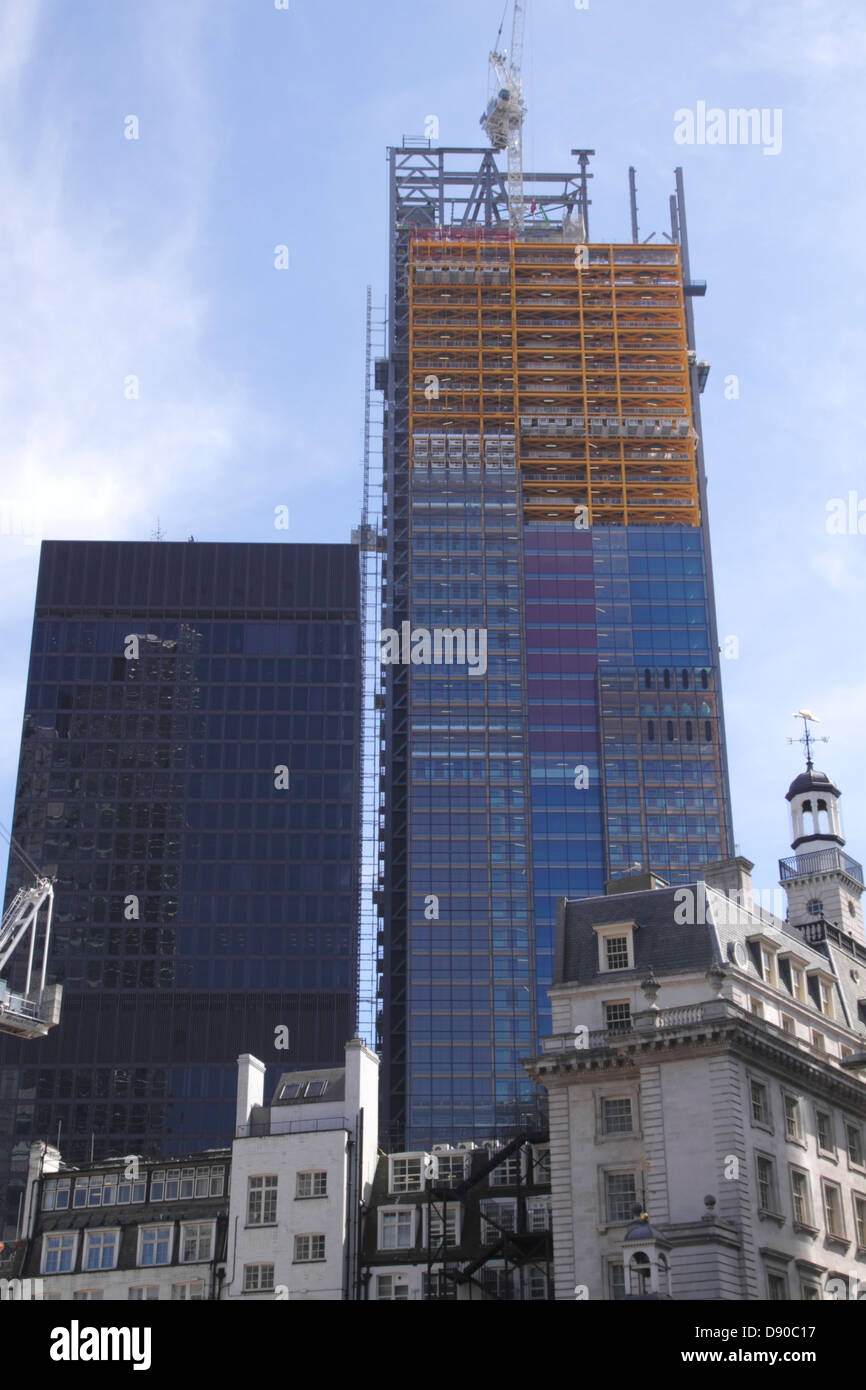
154	258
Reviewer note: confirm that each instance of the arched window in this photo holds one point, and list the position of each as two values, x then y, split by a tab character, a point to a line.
651	730
685	676
639	1270
647	680
670	730
708	732
666	677
705	680
689	731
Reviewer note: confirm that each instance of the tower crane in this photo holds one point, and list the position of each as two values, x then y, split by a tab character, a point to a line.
503	119
29	1014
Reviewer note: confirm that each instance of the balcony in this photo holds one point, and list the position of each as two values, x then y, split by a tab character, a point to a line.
821	861
662	1027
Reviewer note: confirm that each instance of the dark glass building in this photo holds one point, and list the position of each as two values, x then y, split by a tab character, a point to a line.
189	775
544	483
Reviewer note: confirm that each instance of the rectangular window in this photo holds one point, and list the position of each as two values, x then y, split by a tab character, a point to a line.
833	1218
615	1282
58	1254
498	1283
55	1194
196	1242
788	1025
825	997
617	1016
312	1184
497	1219
157	1184
793	1119
798	987
616	952
194	1292
407	1174
801	1198
87	1296
616	1115
79	1195
766	1185
860	1220
541	1171
536	1284
810	1293
538	1216
172	1184
819	1042
506	1174
760	1103
202	1181
443	1229
392	1288
854	1139
128	1191
396	1230
824	1132
217	1180
768	966
258	1278
450	1169
620	1196
437	1287
756	1007
262	1200
155	1247
100	1249
187	1183
309	1248
144	1293
777	1288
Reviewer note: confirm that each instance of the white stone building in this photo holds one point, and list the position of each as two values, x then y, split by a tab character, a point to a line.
304	1164
706	1070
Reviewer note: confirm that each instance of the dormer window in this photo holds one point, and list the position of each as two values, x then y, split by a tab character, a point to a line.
615	947
825	998
768	966
766	958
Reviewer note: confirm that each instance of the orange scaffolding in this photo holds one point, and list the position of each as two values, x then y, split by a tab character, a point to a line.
577	353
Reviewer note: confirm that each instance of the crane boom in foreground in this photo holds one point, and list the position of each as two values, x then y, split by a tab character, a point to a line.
29	1014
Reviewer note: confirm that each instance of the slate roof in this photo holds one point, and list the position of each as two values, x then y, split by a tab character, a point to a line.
673	947
335	1088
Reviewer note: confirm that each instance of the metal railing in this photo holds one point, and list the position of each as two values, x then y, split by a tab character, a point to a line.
819	861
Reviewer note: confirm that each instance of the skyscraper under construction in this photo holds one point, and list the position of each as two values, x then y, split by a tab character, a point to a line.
544	483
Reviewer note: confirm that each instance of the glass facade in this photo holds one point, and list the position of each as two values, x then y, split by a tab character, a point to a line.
189	775
543	481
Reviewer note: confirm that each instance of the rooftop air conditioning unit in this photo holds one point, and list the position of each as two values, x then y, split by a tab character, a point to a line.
441	1148
466	1146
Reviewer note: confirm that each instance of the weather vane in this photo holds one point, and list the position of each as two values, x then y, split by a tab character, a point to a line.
808	739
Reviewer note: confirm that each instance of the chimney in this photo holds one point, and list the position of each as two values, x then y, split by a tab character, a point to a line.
251	1090
731	876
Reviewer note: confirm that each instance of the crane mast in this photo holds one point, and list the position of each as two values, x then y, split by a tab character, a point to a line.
503	119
